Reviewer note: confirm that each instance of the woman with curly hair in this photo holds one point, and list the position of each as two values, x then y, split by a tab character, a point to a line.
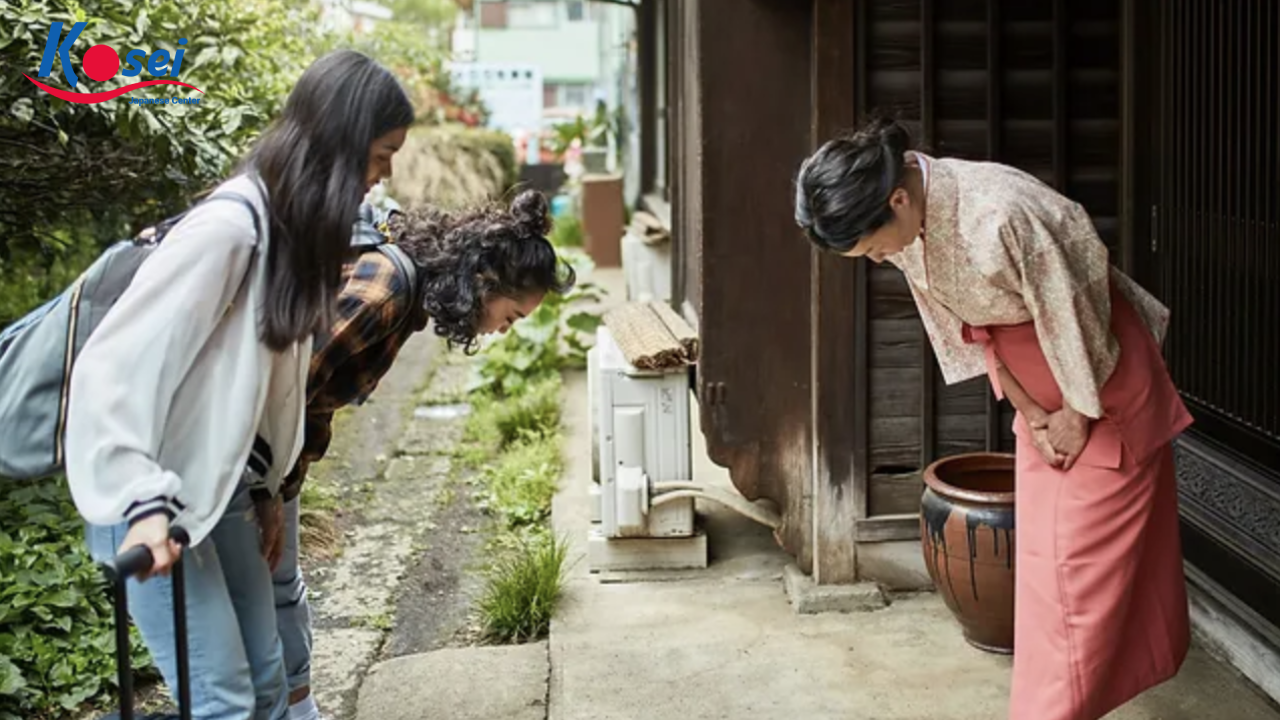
478	272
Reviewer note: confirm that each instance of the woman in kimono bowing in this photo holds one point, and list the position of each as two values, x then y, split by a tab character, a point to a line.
1011	280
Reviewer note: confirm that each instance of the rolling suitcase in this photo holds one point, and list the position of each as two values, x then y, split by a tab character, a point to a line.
118	570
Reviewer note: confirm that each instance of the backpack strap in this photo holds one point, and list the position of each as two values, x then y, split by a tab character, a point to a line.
408	269
248	204
163	227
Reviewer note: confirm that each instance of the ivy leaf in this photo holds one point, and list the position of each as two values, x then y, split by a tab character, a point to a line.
204	56
11	680
232	121
584	322
63	598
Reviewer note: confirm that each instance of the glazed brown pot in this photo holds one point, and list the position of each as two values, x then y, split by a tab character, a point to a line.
967	531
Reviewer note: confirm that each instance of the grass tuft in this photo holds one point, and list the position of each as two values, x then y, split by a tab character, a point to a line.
523	588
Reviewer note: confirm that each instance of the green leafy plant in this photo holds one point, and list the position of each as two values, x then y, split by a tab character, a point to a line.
589	132
108	165
57	638
534	412
548	341
519	486
27	279
524	587
567	232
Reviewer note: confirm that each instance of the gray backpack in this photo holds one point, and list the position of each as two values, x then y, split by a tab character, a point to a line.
38	352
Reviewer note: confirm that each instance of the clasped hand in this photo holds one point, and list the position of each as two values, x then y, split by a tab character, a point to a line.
1059	436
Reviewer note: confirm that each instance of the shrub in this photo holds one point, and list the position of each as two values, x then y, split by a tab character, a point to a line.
523	588
101	166
567	232
535	412
27	279
453	166
520	485
57	638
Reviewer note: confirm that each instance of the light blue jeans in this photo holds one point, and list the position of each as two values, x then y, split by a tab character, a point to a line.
293	613
237	669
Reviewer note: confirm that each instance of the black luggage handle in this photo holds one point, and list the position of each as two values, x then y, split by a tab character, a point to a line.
130	563
137	559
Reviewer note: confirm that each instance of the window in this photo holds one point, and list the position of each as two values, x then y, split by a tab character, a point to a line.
493	14
575	95
576	10
531	14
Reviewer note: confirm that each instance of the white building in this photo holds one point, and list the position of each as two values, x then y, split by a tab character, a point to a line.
353	15
584	50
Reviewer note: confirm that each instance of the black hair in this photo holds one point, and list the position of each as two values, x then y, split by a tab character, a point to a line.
843	189
313	161
469	256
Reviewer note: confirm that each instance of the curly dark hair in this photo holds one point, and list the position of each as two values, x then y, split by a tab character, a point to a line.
468	256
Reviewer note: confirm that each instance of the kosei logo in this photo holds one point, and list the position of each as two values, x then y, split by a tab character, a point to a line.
101	63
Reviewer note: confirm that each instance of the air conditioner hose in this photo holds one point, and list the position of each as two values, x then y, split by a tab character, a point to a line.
670	490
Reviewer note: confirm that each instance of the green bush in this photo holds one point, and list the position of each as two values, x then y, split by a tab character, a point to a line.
534	412
567	232
27	279
57	641
107	165
520	484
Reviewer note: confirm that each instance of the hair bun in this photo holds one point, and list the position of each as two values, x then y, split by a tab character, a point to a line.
891	135
530	212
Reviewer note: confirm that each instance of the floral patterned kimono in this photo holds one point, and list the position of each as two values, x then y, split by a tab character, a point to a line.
1009	272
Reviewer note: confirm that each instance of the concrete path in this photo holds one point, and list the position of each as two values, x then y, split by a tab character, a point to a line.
482	683
725	643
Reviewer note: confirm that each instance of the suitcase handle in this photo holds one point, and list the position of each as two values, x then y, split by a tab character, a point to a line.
132	562
137	559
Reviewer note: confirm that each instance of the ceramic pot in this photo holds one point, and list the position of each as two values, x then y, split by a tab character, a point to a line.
967	532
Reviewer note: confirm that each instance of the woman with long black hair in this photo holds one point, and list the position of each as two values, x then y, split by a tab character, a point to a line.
187	403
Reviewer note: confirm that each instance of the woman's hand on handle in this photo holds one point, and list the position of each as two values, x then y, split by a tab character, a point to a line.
153	532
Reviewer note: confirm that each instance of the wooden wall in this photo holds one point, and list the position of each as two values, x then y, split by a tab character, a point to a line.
1031	83
740	129
818	388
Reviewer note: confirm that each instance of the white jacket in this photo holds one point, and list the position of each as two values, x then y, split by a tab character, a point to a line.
169	392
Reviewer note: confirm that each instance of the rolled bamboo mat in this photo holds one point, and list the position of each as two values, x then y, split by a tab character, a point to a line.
652	336
649	229
680	329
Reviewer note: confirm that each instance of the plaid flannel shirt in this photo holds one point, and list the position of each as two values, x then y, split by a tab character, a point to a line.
375	318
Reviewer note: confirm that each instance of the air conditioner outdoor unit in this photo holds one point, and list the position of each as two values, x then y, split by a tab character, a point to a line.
640	437
647	267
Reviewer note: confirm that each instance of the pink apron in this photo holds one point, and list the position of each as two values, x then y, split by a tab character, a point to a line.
1100	609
